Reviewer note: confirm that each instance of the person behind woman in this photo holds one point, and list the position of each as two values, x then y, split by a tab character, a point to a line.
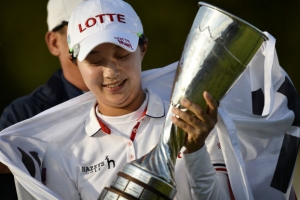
64	84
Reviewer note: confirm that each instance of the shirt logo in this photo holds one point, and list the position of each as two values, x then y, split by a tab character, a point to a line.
107	163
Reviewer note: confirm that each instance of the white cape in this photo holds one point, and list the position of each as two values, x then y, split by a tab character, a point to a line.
257	127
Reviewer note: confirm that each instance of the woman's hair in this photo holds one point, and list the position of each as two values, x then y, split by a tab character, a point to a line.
142	40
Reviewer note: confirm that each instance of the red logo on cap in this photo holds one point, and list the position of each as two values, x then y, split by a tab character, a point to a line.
101	18
124	42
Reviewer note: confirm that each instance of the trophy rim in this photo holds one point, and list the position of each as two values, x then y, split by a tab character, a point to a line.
201	3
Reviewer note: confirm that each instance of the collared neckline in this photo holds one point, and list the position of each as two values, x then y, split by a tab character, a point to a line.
155	109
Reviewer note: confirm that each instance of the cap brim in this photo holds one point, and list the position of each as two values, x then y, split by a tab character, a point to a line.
126	40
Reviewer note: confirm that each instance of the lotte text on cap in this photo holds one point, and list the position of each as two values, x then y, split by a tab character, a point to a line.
95	22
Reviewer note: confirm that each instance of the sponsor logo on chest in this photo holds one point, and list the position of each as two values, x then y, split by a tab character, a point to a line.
106	164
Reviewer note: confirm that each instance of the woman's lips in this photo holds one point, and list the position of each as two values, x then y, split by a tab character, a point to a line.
115	86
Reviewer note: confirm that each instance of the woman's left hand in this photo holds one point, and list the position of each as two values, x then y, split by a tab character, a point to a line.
198	123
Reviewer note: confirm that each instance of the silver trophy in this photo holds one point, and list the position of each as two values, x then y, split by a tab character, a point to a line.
217	51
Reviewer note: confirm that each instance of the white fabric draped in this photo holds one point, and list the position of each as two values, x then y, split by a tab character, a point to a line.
251	143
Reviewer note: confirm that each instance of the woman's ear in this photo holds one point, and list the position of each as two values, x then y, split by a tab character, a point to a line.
52	43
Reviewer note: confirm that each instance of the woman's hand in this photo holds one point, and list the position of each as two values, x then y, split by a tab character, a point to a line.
198	123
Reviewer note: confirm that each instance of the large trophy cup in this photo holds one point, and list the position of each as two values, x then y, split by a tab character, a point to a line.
217	50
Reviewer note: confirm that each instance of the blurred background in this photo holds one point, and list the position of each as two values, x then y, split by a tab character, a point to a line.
26	63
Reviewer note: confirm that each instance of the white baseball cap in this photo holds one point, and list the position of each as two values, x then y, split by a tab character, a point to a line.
59	11
95	22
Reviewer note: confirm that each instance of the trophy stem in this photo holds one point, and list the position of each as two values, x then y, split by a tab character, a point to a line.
162	158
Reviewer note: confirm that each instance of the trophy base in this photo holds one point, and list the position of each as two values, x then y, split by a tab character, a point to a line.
134	183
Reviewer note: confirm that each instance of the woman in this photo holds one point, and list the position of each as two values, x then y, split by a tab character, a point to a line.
106	41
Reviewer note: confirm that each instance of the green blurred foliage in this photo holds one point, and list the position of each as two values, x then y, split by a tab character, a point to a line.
25	62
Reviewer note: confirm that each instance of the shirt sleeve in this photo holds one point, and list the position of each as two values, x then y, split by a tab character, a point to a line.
204	181
57	174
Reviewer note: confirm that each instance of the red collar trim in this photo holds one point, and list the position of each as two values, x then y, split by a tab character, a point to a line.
107	130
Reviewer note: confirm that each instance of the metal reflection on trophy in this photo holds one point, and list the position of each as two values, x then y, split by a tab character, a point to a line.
217	51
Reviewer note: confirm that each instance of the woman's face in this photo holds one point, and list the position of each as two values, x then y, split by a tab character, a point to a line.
113	74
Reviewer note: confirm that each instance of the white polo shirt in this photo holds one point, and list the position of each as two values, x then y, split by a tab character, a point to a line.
86	158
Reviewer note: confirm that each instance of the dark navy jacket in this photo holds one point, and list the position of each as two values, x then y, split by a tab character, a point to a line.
54	92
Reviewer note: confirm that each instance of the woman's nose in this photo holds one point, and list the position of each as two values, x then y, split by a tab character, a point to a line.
111	70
